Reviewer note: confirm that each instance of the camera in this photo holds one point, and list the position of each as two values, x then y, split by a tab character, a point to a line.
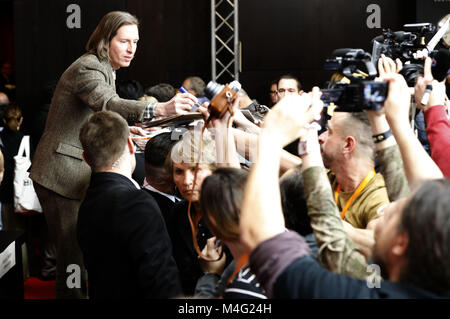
404	44
401	44
362	93
221	97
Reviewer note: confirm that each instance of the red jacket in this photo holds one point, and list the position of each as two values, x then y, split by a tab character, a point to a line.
438	133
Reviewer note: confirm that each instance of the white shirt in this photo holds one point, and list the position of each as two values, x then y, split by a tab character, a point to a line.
146	185
134	182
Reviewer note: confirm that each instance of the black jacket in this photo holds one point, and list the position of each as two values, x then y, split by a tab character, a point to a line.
126	248
165	205
284	268
183	247
306	278
11	143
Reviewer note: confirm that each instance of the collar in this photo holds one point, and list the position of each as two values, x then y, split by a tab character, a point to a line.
134	182
113	72
146	185
110	173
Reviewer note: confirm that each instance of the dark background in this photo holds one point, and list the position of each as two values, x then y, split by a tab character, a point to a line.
278	36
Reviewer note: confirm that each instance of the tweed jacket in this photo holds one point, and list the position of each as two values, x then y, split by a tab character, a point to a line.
87	86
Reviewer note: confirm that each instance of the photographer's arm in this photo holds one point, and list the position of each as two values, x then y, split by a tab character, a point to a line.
388	152
243	123
247	146
389	158
262	216
418	165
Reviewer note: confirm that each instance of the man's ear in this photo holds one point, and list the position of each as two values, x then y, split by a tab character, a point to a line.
349	144
400	244
85	159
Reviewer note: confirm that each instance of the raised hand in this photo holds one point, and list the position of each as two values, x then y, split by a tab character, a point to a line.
288	117
437	94
387	66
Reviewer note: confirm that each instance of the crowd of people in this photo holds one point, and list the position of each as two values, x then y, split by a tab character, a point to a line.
259	203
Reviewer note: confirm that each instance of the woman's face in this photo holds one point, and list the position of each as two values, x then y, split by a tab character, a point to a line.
183	177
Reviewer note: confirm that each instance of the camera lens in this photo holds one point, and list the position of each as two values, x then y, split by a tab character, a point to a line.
212	89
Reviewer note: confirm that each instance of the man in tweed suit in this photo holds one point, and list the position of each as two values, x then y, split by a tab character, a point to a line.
59	174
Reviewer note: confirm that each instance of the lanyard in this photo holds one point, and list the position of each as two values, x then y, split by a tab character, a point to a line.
361	186
239	265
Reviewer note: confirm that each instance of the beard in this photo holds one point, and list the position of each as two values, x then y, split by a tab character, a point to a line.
327	159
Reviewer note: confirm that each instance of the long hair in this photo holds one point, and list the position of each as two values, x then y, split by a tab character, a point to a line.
100	39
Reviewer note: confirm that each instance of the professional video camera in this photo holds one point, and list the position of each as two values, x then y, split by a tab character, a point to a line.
402	44
362	92
409	46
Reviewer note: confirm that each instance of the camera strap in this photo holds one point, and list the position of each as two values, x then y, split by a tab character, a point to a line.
194	220
240	263
361	186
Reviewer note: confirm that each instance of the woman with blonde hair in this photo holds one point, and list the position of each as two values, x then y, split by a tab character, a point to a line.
196	156
189	167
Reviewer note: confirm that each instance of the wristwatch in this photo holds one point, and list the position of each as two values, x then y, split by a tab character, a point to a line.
381	137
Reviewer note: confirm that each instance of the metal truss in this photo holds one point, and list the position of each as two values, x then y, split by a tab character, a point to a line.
225	55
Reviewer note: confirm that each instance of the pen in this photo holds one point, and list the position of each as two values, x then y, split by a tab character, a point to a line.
196	105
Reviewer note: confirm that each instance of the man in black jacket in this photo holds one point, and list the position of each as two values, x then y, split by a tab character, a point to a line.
158	182
125	245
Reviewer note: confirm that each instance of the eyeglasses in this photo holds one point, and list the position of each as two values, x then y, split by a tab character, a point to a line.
273	92
283	91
